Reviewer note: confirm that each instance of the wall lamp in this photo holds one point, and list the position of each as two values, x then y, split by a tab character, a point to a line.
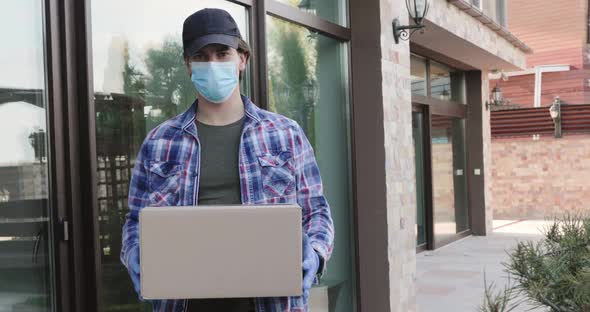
497	98
417	10
555	112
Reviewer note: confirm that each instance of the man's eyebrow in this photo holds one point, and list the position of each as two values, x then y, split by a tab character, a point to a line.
222	48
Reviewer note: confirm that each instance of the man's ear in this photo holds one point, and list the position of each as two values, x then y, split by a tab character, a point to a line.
243	61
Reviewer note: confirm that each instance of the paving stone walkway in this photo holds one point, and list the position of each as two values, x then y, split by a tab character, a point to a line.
451	279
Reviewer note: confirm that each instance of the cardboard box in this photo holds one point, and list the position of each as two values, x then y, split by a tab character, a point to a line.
220	251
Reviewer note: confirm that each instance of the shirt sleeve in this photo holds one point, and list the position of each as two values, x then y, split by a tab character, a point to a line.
317	219
137	200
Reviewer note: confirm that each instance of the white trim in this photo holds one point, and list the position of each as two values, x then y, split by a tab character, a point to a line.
538	72
530	71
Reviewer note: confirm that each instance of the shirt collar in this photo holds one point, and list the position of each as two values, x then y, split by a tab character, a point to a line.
186	119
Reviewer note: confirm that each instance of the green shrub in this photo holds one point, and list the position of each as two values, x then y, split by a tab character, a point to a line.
498	300
555	271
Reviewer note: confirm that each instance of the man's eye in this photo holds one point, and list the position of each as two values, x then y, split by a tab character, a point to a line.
223	54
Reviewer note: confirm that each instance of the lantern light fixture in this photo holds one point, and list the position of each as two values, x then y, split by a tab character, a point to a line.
417	10
497	98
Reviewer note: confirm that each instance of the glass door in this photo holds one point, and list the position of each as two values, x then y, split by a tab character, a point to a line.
418	136
26	251
308	75
449	185
140	80
440	150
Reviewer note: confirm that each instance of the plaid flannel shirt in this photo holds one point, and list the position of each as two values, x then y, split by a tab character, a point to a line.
276	165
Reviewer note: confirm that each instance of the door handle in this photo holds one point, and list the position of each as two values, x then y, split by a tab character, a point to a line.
64	226
37	245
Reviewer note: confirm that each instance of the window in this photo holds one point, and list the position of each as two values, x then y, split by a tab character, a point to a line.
27	252
308	82
140	80
331	10
418	75
502	13
436	80
478	4
446	84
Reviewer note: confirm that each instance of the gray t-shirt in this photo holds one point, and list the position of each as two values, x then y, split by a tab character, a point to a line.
220	180
220	184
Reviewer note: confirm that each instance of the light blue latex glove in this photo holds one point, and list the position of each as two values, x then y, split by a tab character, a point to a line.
311	264
134	271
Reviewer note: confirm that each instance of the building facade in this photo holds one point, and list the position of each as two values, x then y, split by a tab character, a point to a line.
559	64
536	175
400	131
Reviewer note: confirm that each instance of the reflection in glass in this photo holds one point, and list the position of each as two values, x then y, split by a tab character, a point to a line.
331	10
446	84
308	82
448	177
140	80
26	252
418	75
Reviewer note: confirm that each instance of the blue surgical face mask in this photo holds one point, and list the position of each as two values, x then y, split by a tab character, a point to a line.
215	81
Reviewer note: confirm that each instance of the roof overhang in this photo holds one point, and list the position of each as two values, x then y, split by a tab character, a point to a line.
456	29
471	55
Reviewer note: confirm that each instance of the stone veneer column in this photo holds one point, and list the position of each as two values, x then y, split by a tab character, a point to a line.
384	158
399	159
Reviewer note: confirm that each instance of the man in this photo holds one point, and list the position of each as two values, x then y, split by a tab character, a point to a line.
225	150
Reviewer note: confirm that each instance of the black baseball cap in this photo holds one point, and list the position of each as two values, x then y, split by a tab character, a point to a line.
209	26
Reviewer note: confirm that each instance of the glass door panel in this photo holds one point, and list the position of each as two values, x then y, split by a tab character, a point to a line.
448	178
418	136
140	80
26	251
308	82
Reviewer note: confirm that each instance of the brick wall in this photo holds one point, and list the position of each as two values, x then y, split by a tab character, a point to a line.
539	179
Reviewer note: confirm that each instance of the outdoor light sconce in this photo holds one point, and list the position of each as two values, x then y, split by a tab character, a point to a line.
418	10
555	112
497	98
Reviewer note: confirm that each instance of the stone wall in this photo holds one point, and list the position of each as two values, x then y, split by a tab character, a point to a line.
537	179
399	158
